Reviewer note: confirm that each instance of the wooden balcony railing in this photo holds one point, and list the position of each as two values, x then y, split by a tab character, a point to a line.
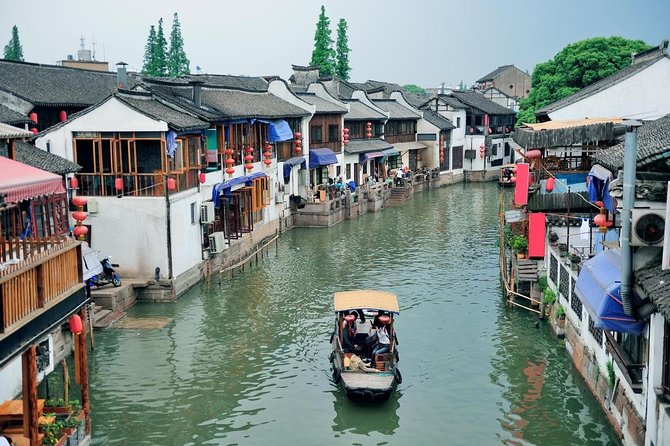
135	184
34	274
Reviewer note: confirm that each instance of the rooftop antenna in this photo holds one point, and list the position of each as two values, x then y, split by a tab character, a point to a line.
81	42
93	43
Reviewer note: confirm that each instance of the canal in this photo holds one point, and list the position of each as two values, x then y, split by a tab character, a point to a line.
245	362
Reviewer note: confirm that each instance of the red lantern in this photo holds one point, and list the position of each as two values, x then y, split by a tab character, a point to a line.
267	161
601	221
230	171
267	154
202	177
533	154
62	116
34	130
599	204
33	117
80	231
230	161
74	183
512	179
268	147
171	184
75	324
248	158
550	184
79	215
118	184
79	201
297	135
249	167
229	152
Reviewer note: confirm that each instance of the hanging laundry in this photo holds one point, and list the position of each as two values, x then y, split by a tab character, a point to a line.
598	184
171	143
584	229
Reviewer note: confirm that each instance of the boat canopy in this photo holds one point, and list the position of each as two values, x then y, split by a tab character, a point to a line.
367	299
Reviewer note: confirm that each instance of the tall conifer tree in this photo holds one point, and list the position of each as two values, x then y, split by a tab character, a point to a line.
178	63
323	54
14	50
160	51
342	67
149	67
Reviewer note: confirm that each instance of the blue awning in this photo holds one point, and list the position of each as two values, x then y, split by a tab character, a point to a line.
390	152
599	288
370	155
278	130
289	163
321	157
226	187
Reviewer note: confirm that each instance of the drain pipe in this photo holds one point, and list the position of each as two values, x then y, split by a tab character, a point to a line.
629	170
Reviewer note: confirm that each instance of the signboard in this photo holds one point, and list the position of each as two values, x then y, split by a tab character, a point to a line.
522	182
666	236
536	235
515	215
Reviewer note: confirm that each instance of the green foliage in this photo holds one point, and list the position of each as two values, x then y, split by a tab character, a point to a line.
414	89
323	54
177	62
149	67
549	296
560	311
52	432
342	50
14	50
55	402
611	378
160	51
542	283
518	243
576	66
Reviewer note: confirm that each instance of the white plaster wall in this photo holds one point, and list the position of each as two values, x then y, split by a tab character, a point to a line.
112	116
133	231
431	154
10	377
186	236
642	96
658	420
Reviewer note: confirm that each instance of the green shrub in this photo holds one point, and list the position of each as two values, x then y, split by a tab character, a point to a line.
519	243
549	296
560	311
610	373
542	283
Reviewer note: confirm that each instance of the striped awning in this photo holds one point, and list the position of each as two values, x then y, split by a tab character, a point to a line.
21	182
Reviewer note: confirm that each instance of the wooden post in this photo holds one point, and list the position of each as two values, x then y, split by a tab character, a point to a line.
66	381
29	381
83	371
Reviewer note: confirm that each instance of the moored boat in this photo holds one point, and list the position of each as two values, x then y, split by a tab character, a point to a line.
363	363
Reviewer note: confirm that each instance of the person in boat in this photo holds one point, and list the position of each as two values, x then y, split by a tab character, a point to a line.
348	335
383	344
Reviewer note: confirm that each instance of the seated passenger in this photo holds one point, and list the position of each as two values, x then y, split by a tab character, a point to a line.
383	344
348	335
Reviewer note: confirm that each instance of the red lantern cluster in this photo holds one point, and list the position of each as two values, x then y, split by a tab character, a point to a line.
268	155
345	136
249	159
441	150
368	130
76	326
229	162
79	215
297	143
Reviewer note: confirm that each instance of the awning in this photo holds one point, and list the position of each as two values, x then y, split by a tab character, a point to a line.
366	299
226	187
390	152
289	163
412	145
279	130
321	157
370	155
22	182
599	288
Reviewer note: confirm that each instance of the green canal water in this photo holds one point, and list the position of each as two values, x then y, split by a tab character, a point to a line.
245	362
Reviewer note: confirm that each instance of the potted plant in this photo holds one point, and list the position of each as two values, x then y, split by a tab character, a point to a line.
575	260
549	296
553	238
563	249
57	406
53	434
519	244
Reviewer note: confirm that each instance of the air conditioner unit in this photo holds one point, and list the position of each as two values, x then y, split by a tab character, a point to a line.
207	212
648	226
216	242
279	197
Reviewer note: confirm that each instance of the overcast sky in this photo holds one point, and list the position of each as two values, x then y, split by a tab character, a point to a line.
425	42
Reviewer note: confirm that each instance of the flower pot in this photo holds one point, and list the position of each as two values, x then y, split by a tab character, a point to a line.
56	409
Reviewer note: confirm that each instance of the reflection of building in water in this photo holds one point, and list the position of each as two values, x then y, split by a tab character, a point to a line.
356	417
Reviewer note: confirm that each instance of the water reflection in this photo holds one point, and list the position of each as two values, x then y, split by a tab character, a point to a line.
361	418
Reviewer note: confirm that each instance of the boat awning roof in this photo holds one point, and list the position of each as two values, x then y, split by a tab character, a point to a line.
22	182
289	163
599	288
413	145
370	155
366	299
321	157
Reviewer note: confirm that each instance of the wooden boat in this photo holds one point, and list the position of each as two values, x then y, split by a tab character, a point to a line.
358	379
505	175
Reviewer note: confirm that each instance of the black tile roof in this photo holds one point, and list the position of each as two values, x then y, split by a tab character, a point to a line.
653	145
27	153
322	106
446	99
395	109
655	283
50	85
478	101
9	116
358	111
493	74
366	145
224	104
152	107
438	120
249	83
600	85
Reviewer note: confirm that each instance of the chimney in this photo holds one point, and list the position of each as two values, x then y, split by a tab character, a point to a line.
121	76
197	92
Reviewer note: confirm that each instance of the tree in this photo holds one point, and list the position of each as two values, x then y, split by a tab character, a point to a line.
177	62
14	50
160	51
342	67
576	66
414	89
149	67
323	54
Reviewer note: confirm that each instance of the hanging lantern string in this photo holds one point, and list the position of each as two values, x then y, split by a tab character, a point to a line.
121	194
568	191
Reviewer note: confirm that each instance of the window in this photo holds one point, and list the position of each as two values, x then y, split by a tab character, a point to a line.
193	214
348	171
315	133
338	171
457	157
627	352
333	133
507	149
494	150
458	122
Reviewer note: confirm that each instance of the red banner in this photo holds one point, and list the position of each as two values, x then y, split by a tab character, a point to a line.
521	188
536	235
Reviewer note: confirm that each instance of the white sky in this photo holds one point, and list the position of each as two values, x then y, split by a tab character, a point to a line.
424	42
